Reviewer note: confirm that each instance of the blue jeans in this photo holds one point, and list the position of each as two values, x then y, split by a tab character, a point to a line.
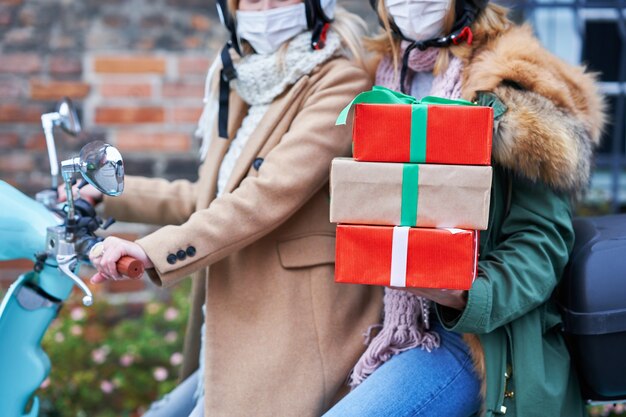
180	402
418	383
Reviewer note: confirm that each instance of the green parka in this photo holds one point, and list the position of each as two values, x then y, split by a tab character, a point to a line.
542	148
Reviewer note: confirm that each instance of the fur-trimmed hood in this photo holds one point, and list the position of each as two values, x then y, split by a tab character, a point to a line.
555	114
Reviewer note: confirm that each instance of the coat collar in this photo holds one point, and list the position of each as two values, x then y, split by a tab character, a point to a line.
218	148
263	132
554	116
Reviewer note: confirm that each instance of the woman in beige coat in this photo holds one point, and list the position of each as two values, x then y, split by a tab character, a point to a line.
281	336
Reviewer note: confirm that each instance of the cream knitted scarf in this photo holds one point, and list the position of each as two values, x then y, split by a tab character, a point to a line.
262	78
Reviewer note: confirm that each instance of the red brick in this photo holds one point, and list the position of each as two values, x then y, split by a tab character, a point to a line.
20	63
186	114
24	264
5	17
10	270
141	142
36	142
193	66
109	90
65	66
200	23
129	115
23	37
13	113
183	90
55	90
11	2
193	42
16	162
13	88
8	140
129	65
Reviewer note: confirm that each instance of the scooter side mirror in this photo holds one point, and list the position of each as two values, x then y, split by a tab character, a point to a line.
68	118
102	166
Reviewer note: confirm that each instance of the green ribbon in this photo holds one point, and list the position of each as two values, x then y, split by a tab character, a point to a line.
419	114
410	195
383	95
419	127
377	95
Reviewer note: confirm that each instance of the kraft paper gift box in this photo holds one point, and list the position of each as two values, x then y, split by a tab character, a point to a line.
419	195
406	257
393	127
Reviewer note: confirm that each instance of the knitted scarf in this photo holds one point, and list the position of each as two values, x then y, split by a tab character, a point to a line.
262	78
406	316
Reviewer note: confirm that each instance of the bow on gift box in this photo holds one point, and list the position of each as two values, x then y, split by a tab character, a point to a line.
383	95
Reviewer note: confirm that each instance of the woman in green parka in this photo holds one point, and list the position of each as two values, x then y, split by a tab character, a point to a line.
548	119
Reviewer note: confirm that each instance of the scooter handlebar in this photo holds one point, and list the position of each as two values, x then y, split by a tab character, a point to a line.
131	267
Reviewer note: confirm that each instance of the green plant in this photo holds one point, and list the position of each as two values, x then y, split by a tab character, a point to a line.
113	360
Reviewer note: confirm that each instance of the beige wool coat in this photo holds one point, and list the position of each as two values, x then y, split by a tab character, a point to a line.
281	336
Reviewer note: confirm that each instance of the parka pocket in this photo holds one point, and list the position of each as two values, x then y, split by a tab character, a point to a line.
306	251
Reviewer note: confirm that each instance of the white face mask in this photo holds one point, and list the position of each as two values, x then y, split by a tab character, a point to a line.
419	20
267	30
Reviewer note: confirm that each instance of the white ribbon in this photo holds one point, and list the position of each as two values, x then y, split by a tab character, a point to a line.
399	251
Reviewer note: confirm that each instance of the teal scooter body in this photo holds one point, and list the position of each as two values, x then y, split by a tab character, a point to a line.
31	303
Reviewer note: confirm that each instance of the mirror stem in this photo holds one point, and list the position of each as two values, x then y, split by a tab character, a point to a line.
68	168
48	121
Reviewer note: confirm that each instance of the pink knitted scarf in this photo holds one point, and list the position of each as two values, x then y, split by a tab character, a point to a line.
406	323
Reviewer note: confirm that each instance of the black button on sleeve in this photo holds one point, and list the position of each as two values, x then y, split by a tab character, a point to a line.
191	251
171	259
181	255
257	163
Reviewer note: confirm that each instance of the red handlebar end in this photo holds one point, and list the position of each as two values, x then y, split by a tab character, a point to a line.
131	267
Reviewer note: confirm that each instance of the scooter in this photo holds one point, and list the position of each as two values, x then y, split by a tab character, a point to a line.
58	238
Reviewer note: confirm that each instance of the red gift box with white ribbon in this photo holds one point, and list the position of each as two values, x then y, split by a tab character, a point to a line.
406	257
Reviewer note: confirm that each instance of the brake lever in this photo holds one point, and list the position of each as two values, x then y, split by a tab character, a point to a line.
66	264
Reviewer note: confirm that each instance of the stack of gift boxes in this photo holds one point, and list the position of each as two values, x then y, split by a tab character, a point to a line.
410	205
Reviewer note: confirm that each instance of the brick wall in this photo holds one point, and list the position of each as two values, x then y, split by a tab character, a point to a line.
134	69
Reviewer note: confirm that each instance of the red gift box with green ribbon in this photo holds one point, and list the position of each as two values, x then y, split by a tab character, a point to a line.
394	127
406	256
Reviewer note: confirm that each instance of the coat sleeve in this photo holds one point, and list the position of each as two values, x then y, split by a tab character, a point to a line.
153	201
524	267
292	172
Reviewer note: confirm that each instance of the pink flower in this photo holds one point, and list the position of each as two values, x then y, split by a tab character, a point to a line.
170	314
58	337
171	336
45	384
176	358
107	386
127	359
76	330
100	355
160	373
78	313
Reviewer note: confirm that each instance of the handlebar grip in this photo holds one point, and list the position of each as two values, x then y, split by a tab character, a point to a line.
131	267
